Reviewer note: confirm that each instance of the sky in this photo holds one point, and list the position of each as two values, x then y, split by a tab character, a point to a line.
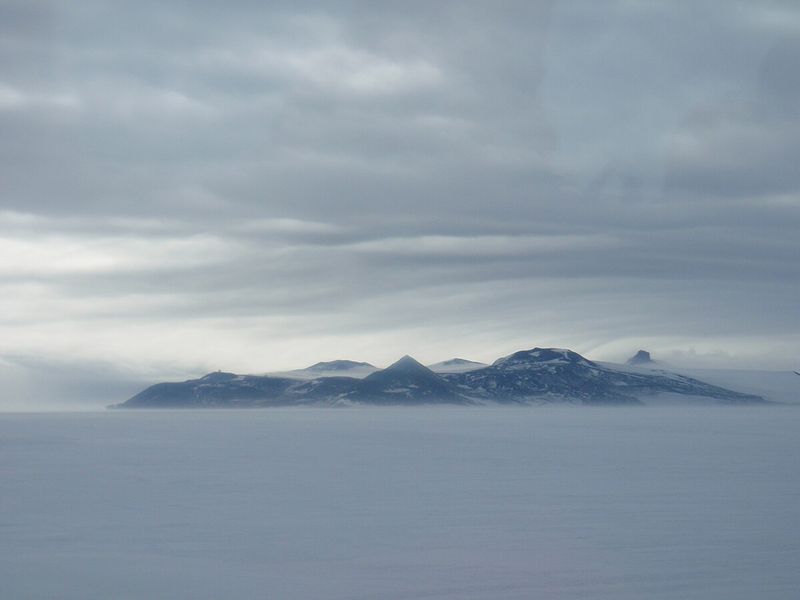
257	186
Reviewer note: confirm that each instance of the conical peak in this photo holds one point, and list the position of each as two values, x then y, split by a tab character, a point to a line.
407	362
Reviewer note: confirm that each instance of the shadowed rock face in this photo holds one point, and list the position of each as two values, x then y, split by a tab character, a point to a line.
215	390
540	375
642	357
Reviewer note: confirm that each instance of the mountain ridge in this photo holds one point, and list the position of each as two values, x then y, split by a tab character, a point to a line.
534	376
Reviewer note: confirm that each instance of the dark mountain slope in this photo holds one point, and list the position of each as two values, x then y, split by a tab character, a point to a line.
214	390
406	382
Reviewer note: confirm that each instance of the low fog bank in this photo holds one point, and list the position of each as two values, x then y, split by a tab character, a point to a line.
32	384
775	386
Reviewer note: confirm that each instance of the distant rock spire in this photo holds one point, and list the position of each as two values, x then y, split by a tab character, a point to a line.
642	357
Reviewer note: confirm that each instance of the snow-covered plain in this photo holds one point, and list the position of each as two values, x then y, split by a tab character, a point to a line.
402	503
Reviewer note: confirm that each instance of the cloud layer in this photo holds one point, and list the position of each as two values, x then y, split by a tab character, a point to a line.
193	186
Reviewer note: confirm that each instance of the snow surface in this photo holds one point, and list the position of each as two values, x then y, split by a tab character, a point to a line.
402	503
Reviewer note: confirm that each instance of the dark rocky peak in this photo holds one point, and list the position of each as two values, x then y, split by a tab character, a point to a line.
642	357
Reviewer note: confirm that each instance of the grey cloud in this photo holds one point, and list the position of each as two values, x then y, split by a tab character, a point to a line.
748	148
255	185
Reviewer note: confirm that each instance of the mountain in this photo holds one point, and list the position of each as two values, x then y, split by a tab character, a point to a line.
642	357
339	365
406	382
456	365
213	390
544	375
332	368
536	376
541	375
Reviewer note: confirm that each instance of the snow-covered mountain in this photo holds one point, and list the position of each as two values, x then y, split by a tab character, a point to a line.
536	376
545	375
406	382
456	365
333	368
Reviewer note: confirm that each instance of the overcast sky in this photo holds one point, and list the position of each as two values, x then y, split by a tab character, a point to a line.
255	186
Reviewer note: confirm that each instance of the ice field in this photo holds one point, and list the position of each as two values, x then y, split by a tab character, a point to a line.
402	503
